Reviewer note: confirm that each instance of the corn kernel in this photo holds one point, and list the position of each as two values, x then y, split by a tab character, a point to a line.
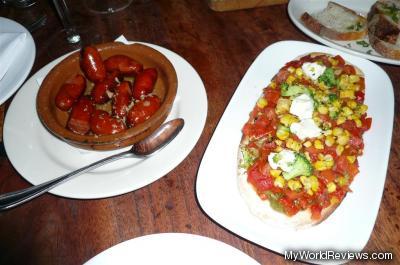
336	104
292	144
321	156
278	149
337	131
275	172
322	109
318	144
343	139
323	165
347	111
314	183
282	106
272	85
279	182
288	119
340	120
282	132
329	164
334	200
362	109
328	132
291	69
278	142
358	123
331	187
329	140
354	78
262	103
299	72
351	159
342	181
339	149
352	104
353	117
347	93
294	184
290	79
334	62
307	144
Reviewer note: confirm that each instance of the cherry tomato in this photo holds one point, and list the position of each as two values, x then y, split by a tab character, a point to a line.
143	110
123	64
144	83
79	119
92	64
101	123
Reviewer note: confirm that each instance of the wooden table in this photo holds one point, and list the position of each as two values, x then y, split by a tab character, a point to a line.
220	46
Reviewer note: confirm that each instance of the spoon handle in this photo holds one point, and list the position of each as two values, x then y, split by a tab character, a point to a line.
12	199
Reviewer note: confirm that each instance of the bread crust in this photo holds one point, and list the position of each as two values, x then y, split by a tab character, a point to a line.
383	32
318	28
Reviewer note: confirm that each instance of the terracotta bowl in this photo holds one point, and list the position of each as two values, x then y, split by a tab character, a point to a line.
55	120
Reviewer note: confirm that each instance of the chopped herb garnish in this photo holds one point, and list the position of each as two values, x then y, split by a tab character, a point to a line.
332	97
328	78
392	11
355	27
363	43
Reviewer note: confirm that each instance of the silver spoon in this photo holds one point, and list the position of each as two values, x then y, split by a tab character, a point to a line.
158	139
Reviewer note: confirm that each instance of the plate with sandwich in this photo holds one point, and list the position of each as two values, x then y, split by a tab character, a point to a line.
366	28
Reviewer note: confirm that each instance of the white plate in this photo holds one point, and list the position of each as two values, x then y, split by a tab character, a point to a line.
297	7
350	226
38	156
172	248
21	65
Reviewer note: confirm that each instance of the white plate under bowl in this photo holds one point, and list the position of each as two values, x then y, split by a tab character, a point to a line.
350	226
38	156
22	63
172	248
297	7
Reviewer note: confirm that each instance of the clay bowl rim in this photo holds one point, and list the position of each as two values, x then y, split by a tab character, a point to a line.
47	118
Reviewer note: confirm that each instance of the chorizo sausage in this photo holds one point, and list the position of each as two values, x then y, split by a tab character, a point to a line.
92	64
102	123
144	83
69	92
143	110
123	64
79	119
122	99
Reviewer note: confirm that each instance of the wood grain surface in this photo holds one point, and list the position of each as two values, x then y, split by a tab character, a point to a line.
220	46
228	5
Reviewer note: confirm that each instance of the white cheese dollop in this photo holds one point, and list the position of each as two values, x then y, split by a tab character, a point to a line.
302	106
306	128
284	160
313	70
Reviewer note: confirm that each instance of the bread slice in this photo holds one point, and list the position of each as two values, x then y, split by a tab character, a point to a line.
336	22
384	28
